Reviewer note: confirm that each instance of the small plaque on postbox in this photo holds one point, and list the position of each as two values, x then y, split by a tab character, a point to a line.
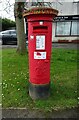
40	42
39	55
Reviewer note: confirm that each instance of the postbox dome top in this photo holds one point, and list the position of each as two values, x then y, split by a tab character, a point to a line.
40	10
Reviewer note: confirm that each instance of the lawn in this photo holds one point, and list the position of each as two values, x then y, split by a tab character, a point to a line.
15	83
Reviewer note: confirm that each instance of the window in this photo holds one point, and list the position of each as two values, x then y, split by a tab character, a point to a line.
13	32
6	32
63	28
75	28
70	28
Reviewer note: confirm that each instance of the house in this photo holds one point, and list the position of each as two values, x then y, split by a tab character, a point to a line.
65	26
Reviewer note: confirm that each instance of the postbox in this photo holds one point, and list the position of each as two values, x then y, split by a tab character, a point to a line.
40	45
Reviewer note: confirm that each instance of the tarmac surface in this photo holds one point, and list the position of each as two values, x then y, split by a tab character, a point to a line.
54	45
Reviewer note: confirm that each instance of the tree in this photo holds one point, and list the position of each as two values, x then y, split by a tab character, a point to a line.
21	38
18	11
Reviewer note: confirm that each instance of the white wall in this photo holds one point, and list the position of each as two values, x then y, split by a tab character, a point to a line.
66	8
69	8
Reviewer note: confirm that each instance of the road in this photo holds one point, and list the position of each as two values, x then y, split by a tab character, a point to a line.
65	45
54	45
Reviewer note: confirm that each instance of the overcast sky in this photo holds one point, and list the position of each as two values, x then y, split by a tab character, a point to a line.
7	7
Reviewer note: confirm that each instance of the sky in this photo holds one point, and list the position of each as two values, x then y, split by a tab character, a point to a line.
7	7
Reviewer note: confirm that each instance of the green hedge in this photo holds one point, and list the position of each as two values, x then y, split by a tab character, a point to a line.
7	23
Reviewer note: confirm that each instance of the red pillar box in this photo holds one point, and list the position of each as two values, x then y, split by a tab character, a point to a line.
40	45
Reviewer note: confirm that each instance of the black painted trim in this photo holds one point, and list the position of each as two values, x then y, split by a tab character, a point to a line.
39	91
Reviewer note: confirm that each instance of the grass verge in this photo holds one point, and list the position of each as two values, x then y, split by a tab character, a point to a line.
15	78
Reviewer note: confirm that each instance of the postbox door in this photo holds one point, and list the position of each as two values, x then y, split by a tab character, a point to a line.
40	60
39	53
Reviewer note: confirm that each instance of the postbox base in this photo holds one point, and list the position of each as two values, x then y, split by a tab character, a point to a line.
39	91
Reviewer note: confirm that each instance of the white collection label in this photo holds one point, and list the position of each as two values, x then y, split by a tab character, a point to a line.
39	55
40	42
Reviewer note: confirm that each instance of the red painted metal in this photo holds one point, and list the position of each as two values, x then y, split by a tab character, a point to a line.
39	69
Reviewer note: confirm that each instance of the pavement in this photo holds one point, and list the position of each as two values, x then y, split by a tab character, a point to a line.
25	113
